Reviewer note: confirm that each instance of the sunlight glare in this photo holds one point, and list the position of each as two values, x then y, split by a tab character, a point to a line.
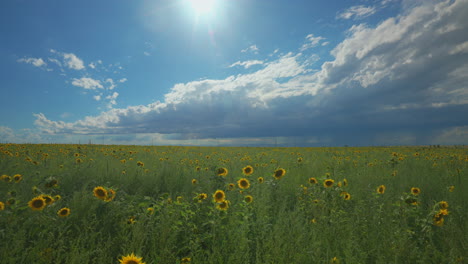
203	7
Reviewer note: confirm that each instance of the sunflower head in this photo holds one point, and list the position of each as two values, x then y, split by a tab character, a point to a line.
186	260
219	196
222	172
48	199
202	196
443	205
248	198
451	188
345	182
100	192
37	203
224	205
381	189
5	178
2	206
415	191
347	196
313	180
64	212
17	178
243	183
438	219
110	195
260	180
247	170
131	259
194	181
279	173
328	183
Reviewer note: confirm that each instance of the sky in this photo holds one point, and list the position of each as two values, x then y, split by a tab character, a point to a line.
234	72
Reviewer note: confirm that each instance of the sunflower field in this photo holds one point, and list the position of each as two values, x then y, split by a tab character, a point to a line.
168	204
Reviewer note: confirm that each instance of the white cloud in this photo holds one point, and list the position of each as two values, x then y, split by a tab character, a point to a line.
312	41
111	84
97	97
37	62
252	48
87	83
92	65
147	53
381	79
112	99
122	80
357	12
246	64
72	61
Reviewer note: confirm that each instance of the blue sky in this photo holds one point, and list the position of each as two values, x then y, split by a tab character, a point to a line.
234	72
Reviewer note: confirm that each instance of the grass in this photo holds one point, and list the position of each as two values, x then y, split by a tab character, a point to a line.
289	220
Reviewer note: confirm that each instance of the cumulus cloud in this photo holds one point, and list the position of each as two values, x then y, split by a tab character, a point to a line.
37	62
72	61
393	82
87	83
246	64
358	12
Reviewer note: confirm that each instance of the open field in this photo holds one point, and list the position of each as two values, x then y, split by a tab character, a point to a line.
99	204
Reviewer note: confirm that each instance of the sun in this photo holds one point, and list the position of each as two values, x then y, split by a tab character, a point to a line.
203	7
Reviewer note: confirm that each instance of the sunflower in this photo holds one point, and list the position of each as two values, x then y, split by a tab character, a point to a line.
248	198
219	196
186	260
247	170
381	189
438	219
415	191
222	172
5	178
313	180
2	206
345	182
64	212
279	173
451	188
260	180
100	192
443	211
443	205
150	210
202	196
131	259
300	159
328	183
48	199
243	183
224	205
231	186
140	164
111	197
346	196
335	260
78	161
194	181
37	203
17	178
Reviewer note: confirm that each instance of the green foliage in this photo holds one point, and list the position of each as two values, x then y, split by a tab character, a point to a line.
160	211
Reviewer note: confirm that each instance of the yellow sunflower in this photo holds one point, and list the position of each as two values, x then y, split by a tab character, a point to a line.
381	189
248	198
17	178
260	180
224	205
100	192
194	181
438	219
222	172
243	183
345	182
111	196
346	196
279	173
219	196
313	180
131	259
202	196
5	178
48	199
247	170
37	203
186	260
443	205
64	212
2	206
415	191
328	183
